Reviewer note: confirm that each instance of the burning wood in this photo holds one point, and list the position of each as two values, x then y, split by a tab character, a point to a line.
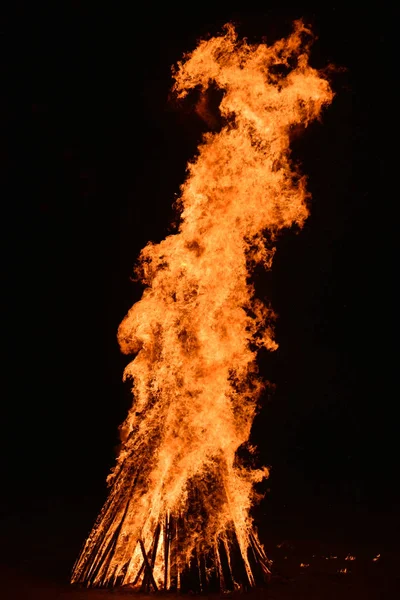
178	513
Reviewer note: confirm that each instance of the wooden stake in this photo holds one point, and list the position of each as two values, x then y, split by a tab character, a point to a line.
166	551
147	566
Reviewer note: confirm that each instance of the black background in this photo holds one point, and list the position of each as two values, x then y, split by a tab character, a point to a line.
92	159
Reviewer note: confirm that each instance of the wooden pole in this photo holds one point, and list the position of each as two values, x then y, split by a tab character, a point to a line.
147	566
166	550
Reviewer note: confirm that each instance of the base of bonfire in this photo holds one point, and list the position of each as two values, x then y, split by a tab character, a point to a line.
218	569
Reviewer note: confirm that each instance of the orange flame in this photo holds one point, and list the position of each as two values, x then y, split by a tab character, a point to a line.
179	489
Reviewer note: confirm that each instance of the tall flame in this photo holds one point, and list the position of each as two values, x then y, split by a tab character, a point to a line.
180	498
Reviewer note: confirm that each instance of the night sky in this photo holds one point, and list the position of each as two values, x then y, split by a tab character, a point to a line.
92	158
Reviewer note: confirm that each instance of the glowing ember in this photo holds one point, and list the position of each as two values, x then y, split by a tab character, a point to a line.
376	558
177	516
350	557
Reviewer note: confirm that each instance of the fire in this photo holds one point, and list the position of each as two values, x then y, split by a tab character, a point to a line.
178	513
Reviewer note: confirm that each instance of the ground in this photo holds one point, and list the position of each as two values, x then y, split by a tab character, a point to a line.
324	578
